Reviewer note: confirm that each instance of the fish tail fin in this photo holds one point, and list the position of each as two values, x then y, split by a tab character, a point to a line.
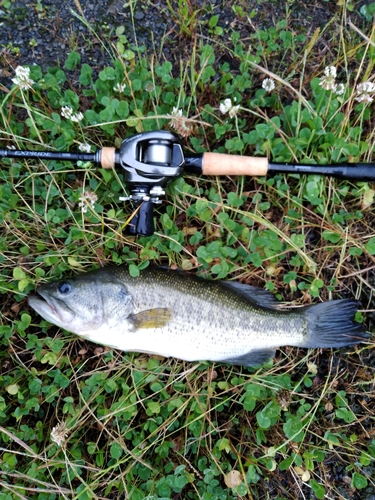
330	324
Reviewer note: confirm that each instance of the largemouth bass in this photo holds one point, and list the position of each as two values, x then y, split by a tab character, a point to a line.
172	313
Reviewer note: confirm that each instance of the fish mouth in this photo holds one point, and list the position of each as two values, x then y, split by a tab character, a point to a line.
53	310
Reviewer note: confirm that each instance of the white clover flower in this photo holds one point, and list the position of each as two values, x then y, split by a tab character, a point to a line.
330	71
84	147
149	87
119	87
364	98
87	200
233	111
328	80
225	106
228	107
268	84
339	89
67	112
179	122
363	92
175	113
59	434
365	87
77	117
22	78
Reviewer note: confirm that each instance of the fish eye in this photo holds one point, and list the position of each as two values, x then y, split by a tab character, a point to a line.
64	287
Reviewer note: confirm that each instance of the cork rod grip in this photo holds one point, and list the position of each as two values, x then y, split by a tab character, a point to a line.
107	157
223	164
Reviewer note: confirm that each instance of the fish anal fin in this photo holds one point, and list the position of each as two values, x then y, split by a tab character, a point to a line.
252	358
151	318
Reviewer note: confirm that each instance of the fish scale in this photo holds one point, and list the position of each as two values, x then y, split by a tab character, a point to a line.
173	313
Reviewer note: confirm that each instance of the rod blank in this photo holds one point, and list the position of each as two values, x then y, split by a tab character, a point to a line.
355	171
48	155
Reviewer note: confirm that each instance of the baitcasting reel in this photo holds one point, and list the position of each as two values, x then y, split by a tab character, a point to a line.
151	160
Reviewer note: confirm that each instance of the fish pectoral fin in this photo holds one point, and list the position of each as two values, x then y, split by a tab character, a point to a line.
252	358
151	318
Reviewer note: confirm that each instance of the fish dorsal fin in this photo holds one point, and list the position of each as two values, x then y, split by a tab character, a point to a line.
258	296
151	318
252	358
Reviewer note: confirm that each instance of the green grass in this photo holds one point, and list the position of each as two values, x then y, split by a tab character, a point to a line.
82	421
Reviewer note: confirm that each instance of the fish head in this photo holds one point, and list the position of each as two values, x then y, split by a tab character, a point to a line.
83	303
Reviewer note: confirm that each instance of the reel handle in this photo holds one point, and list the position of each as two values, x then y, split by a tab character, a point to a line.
142	222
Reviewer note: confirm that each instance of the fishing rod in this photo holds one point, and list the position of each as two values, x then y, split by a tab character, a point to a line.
151	160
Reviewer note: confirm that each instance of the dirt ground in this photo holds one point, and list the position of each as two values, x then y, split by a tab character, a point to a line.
44	32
